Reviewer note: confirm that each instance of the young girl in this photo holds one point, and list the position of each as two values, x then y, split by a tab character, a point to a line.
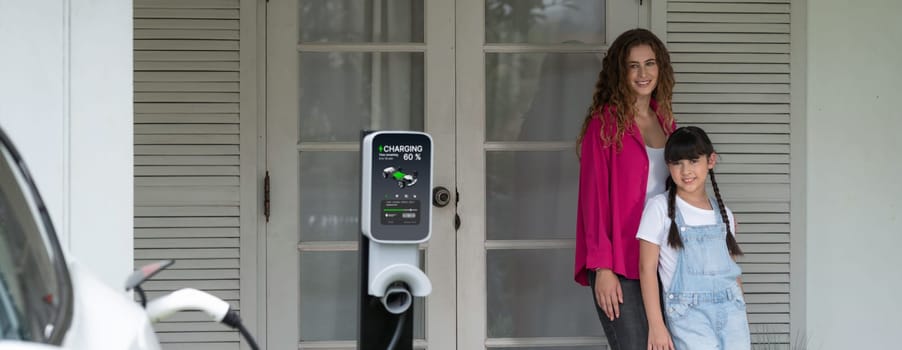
688	238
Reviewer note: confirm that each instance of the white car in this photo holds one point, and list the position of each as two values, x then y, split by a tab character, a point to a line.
45	299
21	345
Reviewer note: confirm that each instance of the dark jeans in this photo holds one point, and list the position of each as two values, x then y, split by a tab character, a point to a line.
630	330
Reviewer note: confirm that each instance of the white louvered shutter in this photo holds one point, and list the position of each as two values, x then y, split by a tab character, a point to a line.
733	79
187	157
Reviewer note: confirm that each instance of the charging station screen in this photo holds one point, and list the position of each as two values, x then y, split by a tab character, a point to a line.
401	186
400	212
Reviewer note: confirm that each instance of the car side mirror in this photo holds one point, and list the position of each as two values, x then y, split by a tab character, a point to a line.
144	273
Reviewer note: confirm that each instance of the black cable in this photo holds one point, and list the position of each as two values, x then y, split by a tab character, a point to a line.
232	319
142	295
399	326
247	336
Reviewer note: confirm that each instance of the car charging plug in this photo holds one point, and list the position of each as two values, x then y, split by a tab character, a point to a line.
193	299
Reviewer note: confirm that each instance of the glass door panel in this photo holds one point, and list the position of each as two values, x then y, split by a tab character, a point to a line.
329	191
334	69
344	92
526	75
545	21
538	96
530	195
530	297
361	21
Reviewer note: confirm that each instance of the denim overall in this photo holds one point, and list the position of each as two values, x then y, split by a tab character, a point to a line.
704	307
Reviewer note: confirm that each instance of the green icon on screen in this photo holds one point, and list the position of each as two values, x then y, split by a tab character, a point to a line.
397	174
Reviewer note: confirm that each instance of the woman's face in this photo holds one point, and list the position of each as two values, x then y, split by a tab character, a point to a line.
642	70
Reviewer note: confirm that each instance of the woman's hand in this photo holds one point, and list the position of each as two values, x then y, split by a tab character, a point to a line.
659	338
608	293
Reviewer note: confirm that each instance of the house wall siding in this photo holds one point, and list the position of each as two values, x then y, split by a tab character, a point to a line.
732	64
187	154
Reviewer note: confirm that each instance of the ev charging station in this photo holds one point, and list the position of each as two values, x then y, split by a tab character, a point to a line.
395	217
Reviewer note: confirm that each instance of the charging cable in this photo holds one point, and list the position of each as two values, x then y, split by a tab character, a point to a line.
193	299
399	327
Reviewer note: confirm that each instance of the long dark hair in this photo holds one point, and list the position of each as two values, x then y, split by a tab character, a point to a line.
690	142
612	88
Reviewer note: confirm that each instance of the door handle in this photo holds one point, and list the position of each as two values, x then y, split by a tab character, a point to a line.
441	196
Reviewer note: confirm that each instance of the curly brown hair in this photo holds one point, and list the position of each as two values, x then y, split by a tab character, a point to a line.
613	90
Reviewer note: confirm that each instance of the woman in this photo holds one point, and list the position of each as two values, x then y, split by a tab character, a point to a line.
621	166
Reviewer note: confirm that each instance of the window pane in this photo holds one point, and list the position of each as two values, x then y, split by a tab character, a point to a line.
544	21
330	196
328	296
342	93
361	21
537	96
531	293
531	195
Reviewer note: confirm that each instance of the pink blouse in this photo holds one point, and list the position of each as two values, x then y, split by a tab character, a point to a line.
612	186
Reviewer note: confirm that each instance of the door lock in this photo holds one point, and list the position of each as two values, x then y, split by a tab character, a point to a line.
441	196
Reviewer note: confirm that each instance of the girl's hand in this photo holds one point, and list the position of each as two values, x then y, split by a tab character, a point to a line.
659	338
608	293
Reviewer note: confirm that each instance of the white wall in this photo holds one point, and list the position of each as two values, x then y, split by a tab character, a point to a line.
66	101
854	194
32	100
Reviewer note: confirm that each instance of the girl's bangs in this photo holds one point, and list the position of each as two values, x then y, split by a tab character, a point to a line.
686	145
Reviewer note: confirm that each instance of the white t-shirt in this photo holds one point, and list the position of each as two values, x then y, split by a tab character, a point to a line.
655	226
657	172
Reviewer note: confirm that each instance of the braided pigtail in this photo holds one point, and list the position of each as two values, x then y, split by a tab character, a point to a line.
732	245
673	236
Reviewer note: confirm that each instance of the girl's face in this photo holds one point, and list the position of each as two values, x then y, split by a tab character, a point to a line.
689	175
642	70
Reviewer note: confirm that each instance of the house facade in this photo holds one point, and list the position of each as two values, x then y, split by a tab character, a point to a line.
228	91
246	117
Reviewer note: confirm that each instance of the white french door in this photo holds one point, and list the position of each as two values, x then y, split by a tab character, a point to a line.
525	75
502	86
